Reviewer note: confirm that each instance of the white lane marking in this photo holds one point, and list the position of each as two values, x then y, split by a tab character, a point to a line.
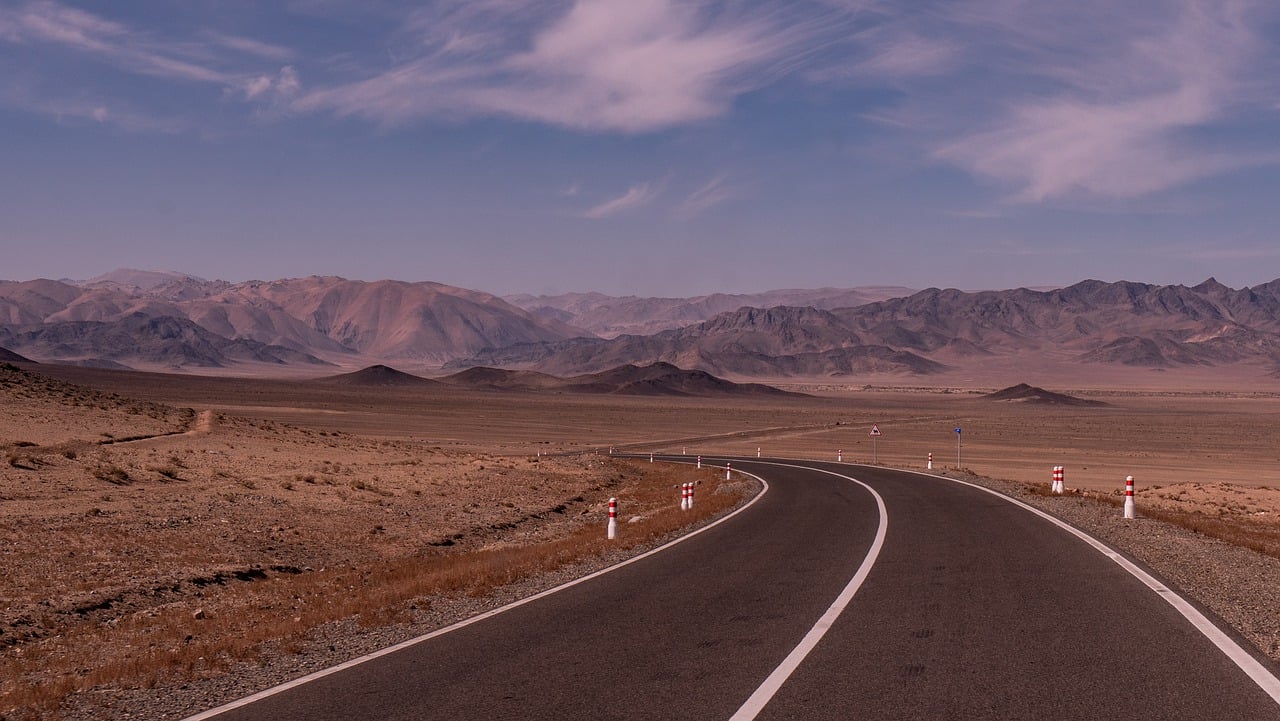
466	622
1260	675
765	693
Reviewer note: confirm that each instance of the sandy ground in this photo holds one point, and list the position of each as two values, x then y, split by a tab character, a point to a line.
158	495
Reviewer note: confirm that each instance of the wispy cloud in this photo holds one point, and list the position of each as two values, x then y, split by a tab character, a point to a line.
1113	113
250	46
213	59
604	65
713	193
636	196
889	53
51	22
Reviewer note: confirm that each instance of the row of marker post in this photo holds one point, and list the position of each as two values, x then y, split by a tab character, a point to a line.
686	499
1059	486
1056	487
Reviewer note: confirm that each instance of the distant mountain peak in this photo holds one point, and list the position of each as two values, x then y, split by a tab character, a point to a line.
140	279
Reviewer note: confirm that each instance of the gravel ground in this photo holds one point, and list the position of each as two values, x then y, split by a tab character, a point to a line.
1236	584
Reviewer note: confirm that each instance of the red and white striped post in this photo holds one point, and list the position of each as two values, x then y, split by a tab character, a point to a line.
684	496
691	487
684	451
930	466
1058	487
613	519
651	458
699	461
840	456
728	471
757	451
1128	498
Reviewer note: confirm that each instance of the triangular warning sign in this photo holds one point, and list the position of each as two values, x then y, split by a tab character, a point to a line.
875	429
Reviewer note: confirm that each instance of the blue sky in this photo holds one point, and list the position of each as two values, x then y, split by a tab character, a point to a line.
649	147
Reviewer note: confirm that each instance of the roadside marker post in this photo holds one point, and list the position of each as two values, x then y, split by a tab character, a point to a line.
757	451
691	487
684	496
699	461
930	466
840	456
1058	487
651	458
613	519
728	471
1129	511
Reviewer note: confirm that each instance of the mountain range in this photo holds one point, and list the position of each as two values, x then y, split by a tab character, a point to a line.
159	320
1091	322
148	319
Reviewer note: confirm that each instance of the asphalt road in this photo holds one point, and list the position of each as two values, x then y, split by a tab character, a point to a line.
973	608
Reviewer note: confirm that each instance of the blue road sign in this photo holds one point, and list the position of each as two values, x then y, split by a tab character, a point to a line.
957	429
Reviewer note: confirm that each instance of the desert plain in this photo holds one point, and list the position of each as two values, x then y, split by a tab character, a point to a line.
160	530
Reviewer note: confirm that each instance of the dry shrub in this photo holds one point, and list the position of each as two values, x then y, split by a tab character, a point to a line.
112	474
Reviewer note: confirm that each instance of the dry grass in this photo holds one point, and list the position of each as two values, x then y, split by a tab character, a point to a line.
195	637
1260	536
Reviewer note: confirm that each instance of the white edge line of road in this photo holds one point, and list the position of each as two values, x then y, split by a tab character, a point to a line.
1260	675
302	680
766	691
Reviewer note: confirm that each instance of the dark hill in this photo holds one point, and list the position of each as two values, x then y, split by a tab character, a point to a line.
665	379
9	356
1024	393
139	338
657	379
501	379
379	376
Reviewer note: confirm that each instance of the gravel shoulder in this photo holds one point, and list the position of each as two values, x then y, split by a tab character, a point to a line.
1236	584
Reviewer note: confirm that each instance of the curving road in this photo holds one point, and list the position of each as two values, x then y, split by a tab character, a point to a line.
949	603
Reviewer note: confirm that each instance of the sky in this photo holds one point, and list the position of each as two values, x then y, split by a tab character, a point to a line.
649	147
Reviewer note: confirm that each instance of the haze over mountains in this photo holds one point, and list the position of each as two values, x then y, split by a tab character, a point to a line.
609	316
174	321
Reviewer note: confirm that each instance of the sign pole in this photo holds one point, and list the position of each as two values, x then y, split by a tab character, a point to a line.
958	465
